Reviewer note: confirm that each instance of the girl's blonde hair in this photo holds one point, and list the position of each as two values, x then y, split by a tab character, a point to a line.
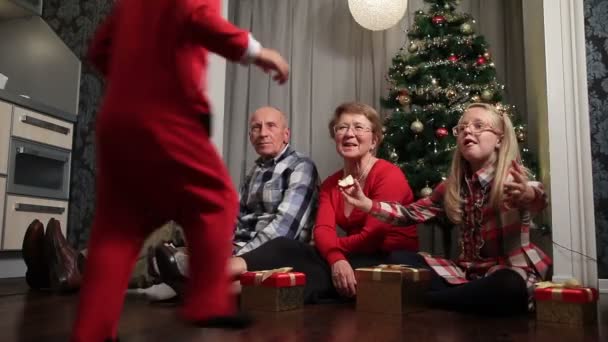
507	152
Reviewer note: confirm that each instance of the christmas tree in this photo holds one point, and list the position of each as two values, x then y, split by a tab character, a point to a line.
445	67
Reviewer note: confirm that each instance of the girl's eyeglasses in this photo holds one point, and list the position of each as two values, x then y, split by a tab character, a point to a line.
476	128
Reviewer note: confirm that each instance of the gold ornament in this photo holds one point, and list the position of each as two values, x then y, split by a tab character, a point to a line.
475	99
487	55
520	133
417	126
450	94
426	191
434	81
404	99
413	47
393	156
466	28
487	95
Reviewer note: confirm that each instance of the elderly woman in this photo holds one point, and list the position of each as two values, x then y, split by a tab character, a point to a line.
357	131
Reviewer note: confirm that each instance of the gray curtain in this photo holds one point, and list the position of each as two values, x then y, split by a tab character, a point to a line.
334	60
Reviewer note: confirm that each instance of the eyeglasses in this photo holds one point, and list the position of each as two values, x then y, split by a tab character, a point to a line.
476	128
358	129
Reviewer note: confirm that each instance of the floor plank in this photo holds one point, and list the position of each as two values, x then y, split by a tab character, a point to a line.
35	316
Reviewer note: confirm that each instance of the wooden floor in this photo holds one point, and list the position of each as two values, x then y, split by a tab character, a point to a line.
32	316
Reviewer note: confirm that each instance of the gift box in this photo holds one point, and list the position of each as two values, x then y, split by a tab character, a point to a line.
272	290
391	289
568	305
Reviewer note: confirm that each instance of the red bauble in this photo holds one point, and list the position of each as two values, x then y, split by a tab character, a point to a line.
453	58
438	19
481	60
441	132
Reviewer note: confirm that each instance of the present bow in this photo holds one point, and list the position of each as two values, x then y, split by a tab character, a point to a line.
570	291
377	275
260	276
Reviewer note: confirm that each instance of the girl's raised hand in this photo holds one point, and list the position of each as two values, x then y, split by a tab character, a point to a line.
517	192
354	196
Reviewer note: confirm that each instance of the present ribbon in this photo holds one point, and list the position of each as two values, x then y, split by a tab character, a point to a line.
557	289
377	271
260	276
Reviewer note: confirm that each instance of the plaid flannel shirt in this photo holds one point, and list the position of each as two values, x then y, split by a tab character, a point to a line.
490	239
278	198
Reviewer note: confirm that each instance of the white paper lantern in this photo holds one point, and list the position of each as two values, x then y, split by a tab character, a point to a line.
377	15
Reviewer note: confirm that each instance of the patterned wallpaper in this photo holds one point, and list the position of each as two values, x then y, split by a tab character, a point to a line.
596	34
75	21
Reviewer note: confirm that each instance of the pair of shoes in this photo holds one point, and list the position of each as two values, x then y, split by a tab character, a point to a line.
51	261
166	256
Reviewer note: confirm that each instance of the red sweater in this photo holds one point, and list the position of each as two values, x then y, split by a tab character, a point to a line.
154	54
365	234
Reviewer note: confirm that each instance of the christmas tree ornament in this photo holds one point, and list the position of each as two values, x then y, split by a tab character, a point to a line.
487	95
481	60
434	81
487	55
453	58
475	99
413	47
491	64
520	133
420	91
438	20
377	15
450	94
404	99
426	191
446	6
419	12
466	28
417	126
394	157
441	132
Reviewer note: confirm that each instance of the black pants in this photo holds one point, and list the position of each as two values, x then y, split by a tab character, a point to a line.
503	292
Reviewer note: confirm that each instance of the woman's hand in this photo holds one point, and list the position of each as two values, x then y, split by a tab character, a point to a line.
354	196
518	193
343	277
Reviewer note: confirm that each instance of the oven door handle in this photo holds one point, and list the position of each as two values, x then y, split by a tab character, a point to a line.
30	120
35	208
40	153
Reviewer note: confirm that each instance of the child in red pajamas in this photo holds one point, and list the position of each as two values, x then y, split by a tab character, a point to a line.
154	158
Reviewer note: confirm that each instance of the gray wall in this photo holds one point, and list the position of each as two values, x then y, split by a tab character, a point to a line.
38	63
75	21
596	34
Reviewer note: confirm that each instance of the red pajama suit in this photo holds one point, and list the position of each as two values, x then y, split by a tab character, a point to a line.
155	161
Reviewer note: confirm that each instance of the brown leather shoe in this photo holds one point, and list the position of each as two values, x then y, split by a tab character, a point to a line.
64	274
37	275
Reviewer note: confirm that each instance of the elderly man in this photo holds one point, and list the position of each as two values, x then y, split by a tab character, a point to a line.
277	197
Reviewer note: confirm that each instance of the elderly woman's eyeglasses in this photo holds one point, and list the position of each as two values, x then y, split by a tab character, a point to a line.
358	129
476	128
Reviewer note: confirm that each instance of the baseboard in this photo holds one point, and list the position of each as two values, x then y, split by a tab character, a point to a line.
603	285
11	265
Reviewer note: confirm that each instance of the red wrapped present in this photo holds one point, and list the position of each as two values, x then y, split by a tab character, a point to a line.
272	290
392	289
566	303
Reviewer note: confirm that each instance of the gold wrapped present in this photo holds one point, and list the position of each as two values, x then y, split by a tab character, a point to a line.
272	290
391	289
567	303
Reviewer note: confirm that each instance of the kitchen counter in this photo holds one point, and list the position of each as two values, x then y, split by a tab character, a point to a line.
36	106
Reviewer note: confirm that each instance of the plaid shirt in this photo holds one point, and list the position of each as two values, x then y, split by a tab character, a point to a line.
278	198
490	239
